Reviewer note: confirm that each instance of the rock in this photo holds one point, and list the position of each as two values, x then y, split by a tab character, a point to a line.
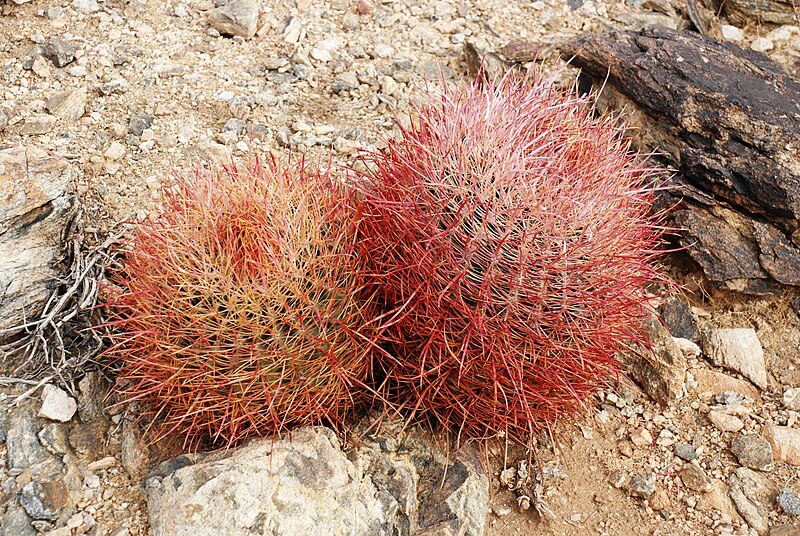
44	500
789	502
731	33
87	7
234	126
134	452
138	123
659	500
719	499
754	495
677	316
323	50
57	405
115	151
761	44
694	478
22	446
54	438
307	485
738	349
718	382
791	399
687	347
68	105
641	437
752	451
237	17
87	438
784	530
724	422
15	521
685	451
642	485
3	120
38	124
661	374
347	81
785	443
36	202
60	52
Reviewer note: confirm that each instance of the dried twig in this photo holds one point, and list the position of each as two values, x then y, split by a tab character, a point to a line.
58	344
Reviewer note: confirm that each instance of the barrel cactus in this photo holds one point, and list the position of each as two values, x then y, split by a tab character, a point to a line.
238	315
509	238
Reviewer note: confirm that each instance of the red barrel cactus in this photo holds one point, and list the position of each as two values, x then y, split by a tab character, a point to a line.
509	238
239	314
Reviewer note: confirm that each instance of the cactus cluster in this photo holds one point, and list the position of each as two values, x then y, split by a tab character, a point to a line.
509	229
240	315
482	273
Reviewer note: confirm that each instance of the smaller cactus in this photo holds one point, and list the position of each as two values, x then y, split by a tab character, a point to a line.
239	315
507	235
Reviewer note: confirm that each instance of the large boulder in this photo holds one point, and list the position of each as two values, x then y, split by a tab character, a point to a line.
306	484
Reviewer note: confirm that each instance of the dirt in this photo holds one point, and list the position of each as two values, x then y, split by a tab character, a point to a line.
161	59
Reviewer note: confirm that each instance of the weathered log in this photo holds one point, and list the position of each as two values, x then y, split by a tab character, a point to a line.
728	120
34	189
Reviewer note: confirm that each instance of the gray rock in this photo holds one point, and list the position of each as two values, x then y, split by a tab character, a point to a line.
138	123
660	375
57	405
789	502
15	521
307	485
60	52
38	124
347	81
685	451
22	447
679	320
754	495
54	438
234	126
134	452
738	349
44	500
237	17
642	485
69	105
752	451
91	393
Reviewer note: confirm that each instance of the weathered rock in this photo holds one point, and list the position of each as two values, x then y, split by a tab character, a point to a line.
22	446
308	486
753	493
54	438
791	399
34	188
785	443
37	124
784	530
134	452
138	123
789	502
752	451
687	347
738	349
724	422
44	500
69	105
238	17
659	375
719	499
726	118
60	52
642	485
641	437
57	405
14	520
745	12
685	451
87	438
679	320
695	478
718	382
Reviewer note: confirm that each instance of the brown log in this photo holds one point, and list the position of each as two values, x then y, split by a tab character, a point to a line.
728	120
743	12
